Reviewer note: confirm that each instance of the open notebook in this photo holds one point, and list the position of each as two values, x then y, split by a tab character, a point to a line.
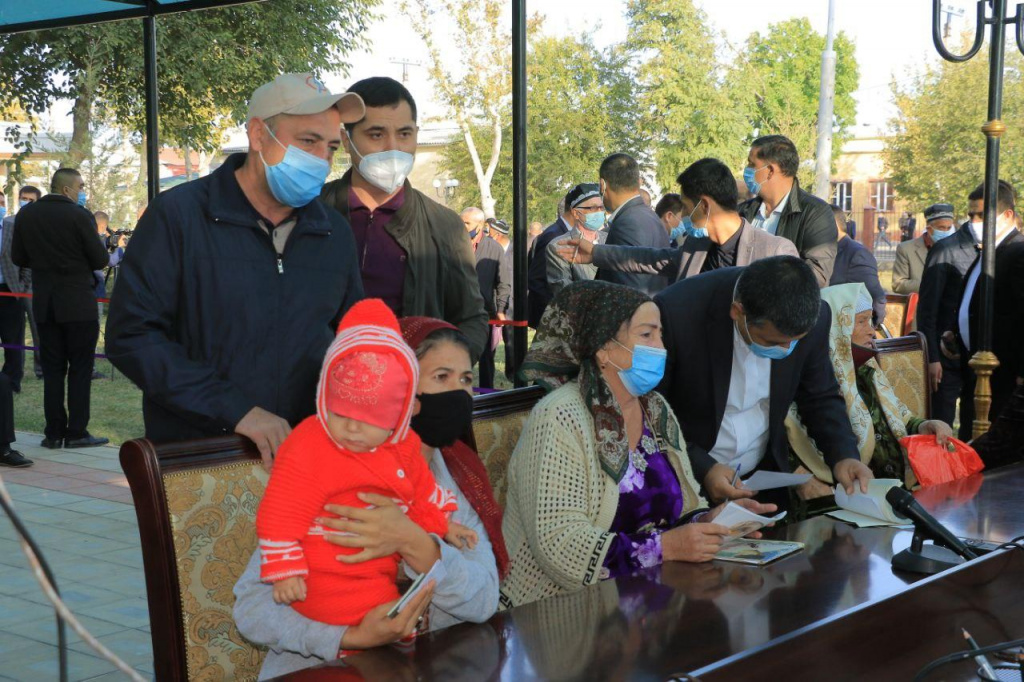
866	510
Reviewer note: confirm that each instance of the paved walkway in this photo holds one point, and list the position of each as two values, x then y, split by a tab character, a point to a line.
77	506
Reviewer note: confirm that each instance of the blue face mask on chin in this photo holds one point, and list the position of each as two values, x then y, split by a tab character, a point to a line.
768	352
298	178
647	369
691	229
678	232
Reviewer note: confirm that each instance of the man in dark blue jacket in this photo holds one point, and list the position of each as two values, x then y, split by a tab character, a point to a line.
854	263
538	291
233	285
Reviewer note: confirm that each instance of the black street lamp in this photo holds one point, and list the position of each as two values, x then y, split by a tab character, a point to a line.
984	361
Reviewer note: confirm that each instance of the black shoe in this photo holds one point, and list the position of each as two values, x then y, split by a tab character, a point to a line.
14	459
53	443
86	442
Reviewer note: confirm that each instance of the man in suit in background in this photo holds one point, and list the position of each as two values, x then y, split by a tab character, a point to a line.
495	281
854	263
538	291
743	345
942	286
718	236
1007	316
12	310
632	222
56	238
911	255
781	208
670	211
27	195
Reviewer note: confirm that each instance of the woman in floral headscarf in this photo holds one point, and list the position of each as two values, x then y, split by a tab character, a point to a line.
879	419
600	484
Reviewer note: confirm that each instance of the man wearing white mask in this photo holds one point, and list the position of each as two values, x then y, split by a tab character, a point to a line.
413	253
233	284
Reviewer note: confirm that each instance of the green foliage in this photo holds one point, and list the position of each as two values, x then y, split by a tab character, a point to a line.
209	63
937	150
579	110
777	80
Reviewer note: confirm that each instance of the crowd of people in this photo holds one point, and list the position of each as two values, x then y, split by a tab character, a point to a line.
679	346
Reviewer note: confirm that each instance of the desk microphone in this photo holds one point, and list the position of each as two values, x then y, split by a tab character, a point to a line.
904	504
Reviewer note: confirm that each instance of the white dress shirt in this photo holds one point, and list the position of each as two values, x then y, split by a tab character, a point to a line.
743	436
770	223
964	314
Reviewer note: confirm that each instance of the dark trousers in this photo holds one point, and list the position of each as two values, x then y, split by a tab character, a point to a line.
6	413
944	399
37	365
66	350
485	371
12	333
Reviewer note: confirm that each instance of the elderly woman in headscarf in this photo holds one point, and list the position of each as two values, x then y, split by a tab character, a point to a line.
599	483
878	417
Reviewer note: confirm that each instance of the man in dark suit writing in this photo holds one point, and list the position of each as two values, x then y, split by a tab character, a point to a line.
743	345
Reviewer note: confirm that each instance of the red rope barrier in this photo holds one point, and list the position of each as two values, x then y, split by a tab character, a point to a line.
508	323
11	294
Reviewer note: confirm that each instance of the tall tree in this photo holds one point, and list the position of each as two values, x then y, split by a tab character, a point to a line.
210	61
682	98
776	81
936	151
477	88
579	110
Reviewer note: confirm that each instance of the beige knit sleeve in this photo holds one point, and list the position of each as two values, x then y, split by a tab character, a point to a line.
560	492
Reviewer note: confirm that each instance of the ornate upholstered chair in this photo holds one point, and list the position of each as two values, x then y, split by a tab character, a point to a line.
196	503
498	419
897	307
905	363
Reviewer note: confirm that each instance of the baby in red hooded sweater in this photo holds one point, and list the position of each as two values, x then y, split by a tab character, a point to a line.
359	441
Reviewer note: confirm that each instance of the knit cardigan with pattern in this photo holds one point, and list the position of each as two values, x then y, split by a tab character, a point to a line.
561	504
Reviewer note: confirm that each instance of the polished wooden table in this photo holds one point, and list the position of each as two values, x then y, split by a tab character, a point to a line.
836	611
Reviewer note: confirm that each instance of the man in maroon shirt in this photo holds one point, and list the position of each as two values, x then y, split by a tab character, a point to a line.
413	253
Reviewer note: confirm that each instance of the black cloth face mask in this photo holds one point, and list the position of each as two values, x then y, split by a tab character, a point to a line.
443	417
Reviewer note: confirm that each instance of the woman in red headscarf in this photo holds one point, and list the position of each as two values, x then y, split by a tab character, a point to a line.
469	590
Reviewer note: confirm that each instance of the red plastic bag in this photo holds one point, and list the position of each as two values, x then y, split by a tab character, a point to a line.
933	463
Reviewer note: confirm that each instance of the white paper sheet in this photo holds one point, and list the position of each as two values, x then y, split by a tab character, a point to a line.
871	504
766	480
742	522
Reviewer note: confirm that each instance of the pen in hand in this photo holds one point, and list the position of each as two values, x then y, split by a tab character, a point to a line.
735	476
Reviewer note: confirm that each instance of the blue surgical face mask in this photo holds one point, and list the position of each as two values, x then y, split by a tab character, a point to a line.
769	352
594	221
691	229
23	203
474	233
3	211
647	369
753	186
678	232
298	178
82	196
939	235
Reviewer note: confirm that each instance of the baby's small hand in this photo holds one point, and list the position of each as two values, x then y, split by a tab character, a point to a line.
290	589
460	536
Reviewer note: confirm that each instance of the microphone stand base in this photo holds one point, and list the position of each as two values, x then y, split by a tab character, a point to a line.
929	559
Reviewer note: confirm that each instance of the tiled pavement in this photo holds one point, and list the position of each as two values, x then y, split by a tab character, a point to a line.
77	506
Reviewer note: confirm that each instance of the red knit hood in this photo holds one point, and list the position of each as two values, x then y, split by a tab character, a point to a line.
370	326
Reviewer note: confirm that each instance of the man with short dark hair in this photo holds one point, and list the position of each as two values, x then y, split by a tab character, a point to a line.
413	252
743	345
538	291
56	238
717	236
233	285
942	286
669	211
780	207
854	263
1007	315
631	223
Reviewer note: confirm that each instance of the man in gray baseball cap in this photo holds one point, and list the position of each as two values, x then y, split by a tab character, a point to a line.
233	284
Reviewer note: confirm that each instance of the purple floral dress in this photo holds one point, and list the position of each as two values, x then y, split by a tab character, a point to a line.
650	502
